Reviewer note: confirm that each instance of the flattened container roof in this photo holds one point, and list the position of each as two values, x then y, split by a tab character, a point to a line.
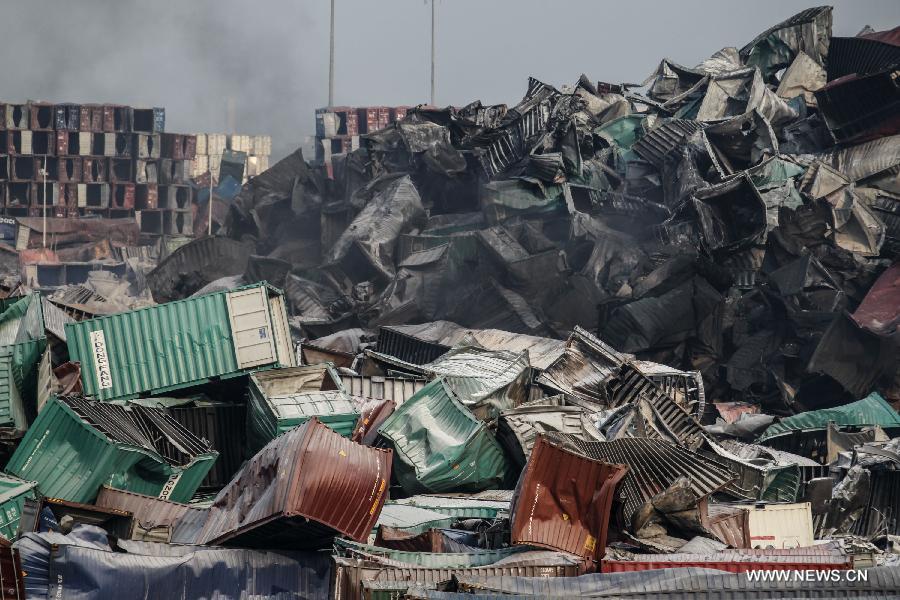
441	446
463	507
168	346
871	410
689	583
351	572
564	500
439	560
412	519
76	445
302	489
653	466
733	563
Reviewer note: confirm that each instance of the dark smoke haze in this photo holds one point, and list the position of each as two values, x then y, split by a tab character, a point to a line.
271	56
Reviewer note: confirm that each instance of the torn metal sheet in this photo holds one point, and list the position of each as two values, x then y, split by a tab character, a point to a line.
585	365
564	500
804	77
440	445
301	490
732	215
653	465
808	31
841	441
486	381
519	428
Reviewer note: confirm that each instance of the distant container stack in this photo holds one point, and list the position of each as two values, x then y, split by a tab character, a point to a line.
338	127
106	160
254	150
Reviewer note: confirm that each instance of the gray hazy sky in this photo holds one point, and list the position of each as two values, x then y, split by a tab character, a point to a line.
272	55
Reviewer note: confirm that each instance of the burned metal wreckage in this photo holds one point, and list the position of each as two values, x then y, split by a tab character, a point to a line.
535	350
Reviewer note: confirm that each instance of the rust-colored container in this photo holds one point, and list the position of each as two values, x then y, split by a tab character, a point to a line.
12	584
564	501
62	142
301	490
372	413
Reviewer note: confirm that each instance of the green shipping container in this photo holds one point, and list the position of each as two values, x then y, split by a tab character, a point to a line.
280	399
441	446
76	445
183	343
18	382
13	493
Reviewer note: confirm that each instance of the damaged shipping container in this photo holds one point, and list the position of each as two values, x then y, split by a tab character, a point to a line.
183	343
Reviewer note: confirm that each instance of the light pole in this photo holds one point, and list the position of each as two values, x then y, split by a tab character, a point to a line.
433	2
331	60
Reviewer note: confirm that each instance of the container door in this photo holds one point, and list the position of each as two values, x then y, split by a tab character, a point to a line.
251	327
282	331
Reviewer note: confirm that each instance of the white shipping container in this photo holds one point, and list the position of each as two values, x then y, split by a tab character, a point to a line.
84	143
201	143
239	143
215	144
261	145
780	525
26	143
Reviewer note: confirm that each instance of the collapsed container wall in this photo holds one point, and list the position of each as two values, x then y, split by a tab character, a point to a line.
179	344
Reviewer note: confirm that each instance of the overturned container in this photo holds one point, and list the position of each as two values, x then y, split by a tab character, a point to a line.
77	445
564	501
300	491
280	399
183	343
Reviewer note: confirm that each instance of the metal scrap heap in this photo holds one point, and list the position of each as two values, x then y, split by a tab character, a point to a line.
614	340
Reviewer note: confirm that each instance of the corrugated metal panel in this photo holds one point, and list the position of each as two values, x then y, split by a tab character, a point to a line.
653	466
223	425
663	417
350	573
396	389
730	563
879	516
519	428
463	507
728	524
871	410
75	446
441	446
300	490
17	360
412	519
13	493
780	525
689	583
435	560
159	348
656	145
55	319
564	501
